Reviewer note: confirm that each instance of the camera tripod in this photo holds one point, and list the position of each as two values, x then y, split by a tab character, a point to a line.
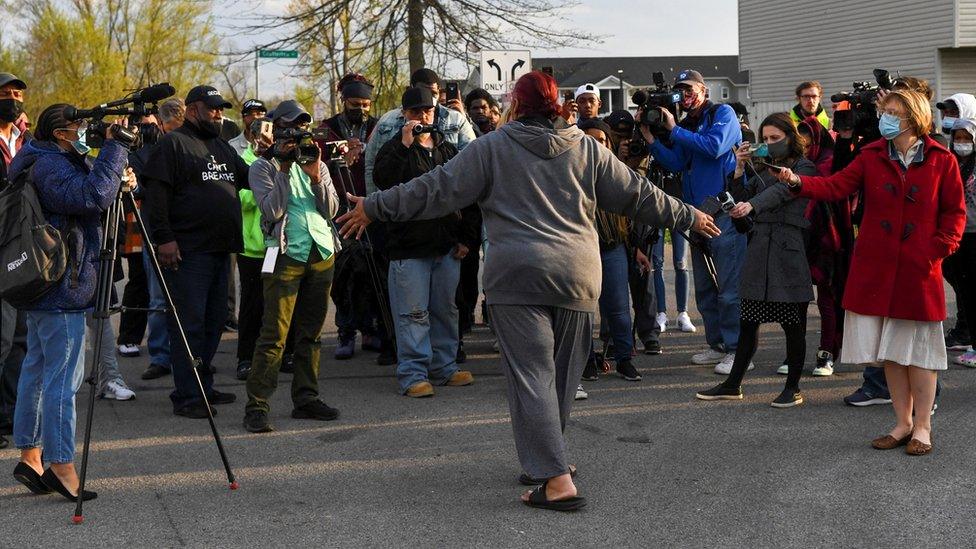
103	310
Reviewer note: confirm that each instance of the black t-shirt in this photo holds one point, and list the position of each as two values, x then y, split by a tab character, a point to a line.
191	182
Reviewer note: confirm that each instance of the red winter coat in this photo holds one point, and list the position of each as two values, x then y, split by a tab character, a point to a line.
912	221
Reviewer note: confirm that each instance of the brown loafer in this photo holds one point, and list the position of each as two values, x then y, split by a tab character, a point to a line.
889	442
917	448
420	390
461	377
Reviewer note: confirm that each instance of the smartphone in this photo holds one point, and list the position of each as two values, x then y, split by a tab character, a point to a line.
568	96
762	164
263	127
453	91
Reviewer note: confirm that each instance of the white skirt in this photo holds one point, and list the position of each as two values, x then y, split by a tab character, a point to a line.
871	339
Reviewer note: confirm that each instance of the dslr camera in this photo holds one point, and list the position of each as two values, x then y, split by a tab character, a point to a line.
305	150
863	115
649	102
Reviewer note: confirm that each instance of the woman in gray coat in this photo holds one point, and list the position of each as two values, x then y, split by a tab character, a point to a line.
775	284
538	183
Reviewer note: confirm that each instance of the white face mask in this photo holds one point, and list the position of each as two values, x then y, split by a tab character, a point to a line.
962	149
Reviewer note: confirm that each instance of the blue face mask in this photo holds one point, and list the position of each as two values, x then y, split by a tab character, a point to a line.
890	126
947	123
79	144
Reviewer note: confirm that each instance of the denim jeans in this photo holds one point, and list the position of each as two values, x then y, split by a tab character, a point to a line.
679	257
158	332
199	291
615	301
51	375
422	302
876	386
108	362
719	307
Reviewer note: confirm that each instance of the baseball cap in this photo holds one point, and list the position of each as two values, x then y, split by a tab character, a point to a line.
209	95
7	78
290	111
689	76
417	98
587	88
253	105
620	121
941	105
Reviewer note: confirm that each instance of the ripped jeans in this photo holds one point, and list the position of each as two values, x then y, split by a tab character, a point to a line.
426	317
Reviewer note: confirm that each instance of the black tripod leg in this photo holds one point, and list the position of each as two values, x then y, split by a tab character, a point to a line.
103	303
196	362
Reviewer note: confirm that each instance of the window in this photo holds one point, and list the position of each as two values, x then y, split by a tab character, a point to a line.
725	92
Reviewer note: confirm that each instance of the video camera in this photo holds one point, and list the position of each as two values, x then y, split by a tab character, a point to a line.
424	128
649	102
143	102
863	115
305	151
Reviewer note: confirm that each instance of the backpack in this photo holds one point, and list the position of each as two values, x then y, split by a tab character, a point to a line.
33	254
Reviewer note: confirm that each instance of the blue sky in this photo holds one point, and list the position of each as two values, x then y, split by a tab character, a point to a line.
630	28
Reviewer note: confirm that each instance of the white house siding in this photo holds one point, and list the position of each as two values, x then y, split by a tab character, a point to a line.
966	23
958	71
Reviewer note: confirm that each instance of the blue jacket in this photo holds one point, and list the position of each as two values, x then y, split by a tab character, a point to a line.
704	157
456	127
67	189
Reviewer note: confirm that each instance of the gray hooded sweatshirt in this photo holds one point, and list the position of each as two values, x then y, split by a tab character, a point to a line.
538	189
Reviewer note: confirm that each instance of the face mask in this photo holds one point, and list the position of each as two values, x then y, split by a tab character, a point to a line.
79	144
890	126
779	149
962	149
10	110
210	128
356	116
689	103
947	123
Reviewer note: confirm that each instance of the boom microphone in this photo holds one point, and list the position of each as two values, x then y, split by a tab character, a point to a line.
154	93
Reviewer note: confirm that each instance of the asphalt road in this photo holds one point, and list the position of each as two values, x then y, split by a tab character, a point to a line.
659	468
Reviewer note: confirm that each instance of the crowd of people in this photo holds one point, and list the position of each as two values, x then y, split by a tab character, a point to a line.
542	212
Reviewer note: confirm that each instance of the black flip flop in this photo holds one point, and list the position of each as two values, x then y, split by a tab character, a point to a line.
538	500
526	480
26	475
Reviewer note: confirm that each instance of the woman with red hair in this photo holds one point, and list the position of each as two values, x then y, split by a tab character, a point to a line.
539	184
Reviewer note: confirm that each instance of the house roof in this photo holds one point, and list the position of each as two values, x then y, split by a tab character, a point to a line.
575	71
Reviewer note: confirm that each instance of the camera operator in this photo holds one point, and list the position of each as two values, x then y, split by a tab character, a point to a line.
453	124
74	197
193	210
425	259
13	327
587	99
253	109
808	96
702	148
294	191
775	284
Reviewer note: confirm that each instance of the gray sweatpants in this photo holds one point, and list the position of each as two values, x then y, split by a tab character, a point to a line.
544	350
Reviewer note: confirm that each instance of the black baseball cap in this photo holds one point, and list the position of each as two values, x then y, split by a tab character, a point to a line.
210	97
253	105
7	78
620	121
689	76
417	98
290	111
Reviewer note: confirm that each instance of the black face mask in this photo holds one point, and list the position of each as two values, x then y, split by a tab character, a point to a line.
11	109
779	149
356	117
210	128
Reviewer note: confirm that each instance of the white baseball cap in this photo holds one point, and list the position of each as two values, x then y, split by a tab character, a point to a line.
587	88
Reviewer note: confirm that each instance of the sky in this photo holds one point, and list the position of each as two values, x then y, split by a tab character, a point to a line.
628	28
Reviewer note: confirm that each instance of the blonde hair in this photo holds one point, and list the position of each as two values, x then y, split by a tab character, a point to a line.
918	112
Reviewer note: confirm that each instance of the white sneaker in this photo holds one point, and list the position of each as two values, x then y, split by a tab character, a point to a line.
710	356
684	323
580	393
662	321
129	350
725	367
783	370
117	390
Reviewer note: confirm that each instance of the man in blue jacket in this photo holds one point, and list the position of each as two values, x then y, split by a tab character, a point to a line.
701	147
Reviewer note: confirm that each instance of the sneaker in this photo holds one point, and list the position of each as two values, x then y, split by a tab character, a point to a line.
371	343
725	367
967	359
460	379
194	411
230	326
860	398
684	323
315	409
420	389
652	347
287	364
345	349
784	369
626	370
956	340
256	421
128	350
387	357
788	399
825	364
581	394
243	369
662	321
590	371
720	392
155	371
216	398
710	356
117	390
